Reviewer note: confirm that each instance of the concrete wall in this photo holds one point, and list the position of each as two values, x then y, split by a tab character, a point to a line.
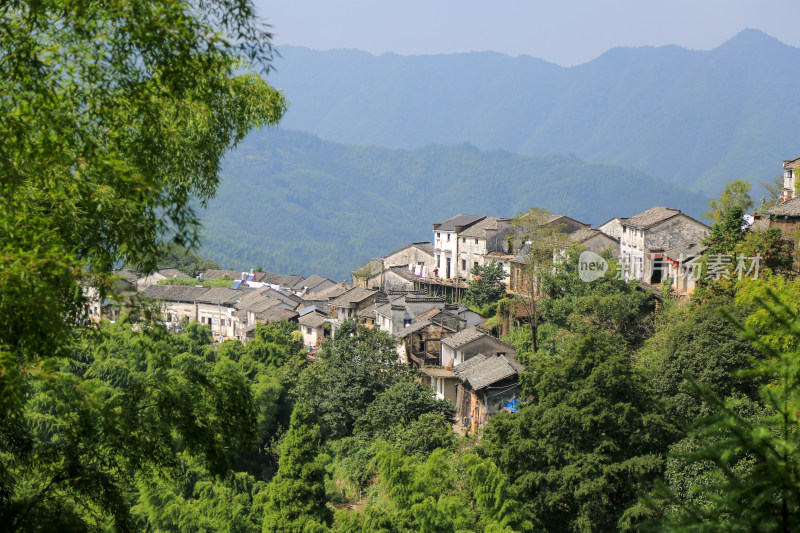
311	338
598	243
613	227
445	245
409	256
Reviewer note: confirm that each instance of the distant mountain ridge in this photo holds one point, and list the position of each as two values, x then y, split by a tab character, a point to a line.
692	118
295	204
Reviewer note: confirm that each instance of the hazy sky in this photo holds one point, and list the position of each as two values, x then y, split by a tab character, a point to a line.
567	32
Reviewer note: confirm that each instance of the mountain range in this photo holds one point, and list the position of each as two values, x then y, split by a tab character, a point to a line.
291	202
691	118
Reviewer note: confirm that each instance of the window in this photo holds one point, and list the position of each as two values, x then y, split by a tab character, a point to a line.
448	237
308	330
476	264
476	240
438	261
463	264
406	322
464	240
438	235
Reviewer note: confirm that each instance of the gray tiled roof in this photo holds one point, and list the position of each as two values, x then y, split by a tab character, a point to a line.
459	220
172	273
312	320
403	272
584	234
311	309
281	280
413	327
276	314
313	281
790	208
332	292
481	371
464	337
353	296
791	163
425	246
651	217
174	293
128	275
479	230
462	369
221	296
256	302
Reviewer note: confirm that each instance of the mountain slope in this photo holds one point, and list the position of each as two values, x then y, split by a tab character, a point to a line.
293	203
693	118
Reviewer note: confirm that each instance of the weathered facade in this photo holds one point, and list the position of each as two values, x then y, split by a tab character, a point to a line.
647	235
397	270
464	345
595	241
478	241
485	383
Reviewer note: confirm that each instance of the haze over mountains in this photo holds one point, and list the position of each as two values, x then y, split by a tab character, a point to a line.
687	120
291	202
693	118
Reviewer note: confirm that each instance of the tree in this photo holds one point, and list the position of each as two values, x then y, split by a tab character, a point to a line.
735	195
589	438
725	236
402	404
131	406
188	262
764	495
697	343
775	253
116	118
574	307
443	492
487	287
538	240
351	371
774	190
295	499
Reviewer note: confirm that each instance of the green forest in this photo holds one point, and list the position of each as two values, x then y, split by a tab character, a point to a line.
295	204
639	412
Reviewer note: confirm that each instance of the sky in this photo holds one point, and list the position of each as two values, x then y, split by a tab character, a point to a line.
566	32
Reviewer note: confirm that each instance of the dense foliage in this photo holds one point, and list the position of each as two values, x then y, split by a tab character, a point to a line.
633	411
487	286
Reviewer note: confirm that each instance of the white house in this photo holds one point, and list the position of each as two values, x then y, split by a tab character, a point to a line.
446	245
478	241
646	236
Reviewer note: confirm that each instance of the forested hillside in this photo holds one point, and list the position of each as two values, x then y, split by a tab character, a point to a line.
693	118
291	202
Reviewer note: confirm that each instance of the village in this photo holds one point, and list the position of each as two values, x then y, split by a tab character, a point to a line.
415	294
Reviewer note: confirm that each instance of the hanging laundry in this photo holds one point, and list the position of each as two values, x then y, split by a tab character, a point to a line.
417	270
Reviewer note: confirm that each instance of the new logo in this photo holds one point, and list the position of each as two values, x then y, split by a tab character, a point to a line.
591	266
